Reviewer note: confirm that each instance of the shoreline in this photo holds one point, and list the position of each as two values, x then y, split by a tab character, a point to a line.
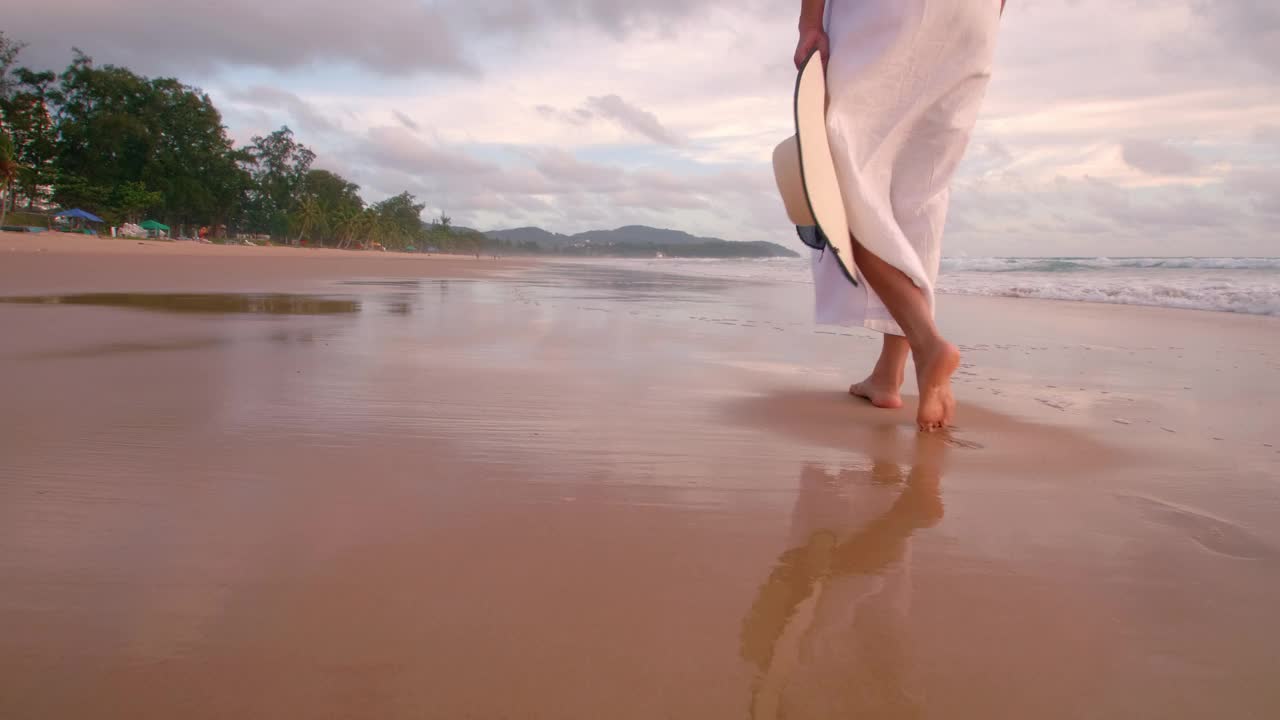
361	263
48	263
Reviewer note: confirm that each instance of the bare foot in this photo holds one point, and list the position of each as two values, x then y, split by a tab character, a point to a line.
933	374
881	393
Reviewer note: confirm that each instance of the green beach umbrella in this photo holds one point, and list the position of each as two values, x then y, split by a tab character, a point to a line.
153	225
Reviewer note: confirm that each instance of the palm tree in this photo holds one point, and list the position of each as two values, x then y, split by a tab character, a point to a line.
370	228
311	217
345	223
441	233
8	173
364	226
382	229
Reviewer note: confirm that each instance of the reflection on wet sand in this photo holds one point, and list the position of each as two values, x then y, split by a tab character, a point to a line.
827	630
217	303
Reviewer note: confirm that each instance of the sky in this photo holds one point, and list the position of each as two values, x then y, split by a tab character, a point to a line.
1111	127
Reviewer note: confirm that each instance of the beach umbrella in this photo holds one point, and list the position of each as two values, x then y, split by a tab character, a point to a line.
153	225
78	214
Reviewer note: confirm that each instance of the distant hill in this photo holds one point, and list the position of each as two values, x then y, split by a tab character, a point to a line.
633	241
530	234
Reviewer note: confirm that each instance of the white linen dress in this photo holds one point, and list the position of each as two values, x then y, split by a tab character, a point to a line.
905	81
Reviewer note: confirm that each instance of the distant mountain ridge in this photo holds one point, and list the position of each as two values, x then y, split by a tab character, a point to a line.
635	240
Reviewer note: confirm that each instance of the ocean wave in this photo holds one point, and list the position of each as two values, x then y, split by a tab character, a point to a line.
1237	285
1234	297
1082	264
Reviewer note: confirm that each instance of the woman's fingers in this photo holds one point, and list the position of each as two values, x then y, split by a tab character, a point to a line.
811	40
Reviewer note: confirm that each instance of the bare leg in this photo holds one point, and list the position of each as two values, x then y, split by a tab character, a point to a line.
936	359
882	386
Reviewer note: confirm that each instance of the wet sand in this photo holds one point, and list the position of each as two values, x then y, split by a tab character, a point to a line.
54	262
354	487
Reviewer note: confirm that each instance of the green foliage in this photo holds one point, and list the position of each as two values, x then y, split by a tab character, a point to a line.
193	163
132	200
9	50
103	138
8	172
399	221
25	110
121	136
328	204
125	146
75	191
347	225
8	164
277	165
444	237
29	219
332	190
311	217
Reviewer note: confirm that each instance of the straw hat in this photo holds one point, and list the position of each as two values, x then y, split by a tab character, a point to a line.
806	174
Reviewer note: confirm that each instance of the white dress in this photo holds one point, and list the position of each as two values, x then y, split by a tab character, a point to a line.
905	81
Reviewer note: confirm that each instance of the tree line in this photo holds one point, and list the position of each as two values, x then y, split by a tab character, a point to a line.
124	146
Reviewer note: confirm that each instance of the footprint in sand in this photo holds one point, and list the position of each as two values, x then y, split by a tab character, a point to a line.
964	444
1213	534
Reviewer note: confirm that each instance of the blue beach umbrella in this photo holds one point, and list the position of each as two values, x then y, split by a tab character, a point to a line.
79	214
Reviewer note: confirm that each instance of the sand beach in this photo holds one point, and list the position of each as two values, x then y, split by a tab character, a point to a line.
276	482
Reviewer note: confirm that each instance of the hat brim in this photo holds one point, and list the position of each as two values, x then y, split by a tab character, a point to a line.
786	172
817	168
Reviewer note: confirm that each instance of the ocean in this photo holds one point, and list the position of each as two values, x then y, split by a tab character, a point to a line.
1217	284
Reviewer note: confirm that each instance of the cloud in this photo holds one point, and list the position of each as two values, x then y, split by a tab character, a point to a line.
393	37
1090	216
555	187
1246	28
618	18
577	117
1267	135
307	116
621	113
400	149
564	168
1158	158
1261	187
1183	210
406	120
1044	152
389	37
632	118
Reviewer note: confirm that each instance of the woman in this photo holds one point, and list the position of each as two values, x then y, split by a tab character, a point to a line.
905	79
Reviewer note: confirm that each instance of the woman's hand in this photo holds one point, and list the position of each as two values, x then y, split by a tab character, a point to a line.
813	38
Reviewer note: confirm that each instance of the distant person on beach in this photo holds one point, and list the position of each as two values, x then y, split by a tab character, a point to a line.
905	80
